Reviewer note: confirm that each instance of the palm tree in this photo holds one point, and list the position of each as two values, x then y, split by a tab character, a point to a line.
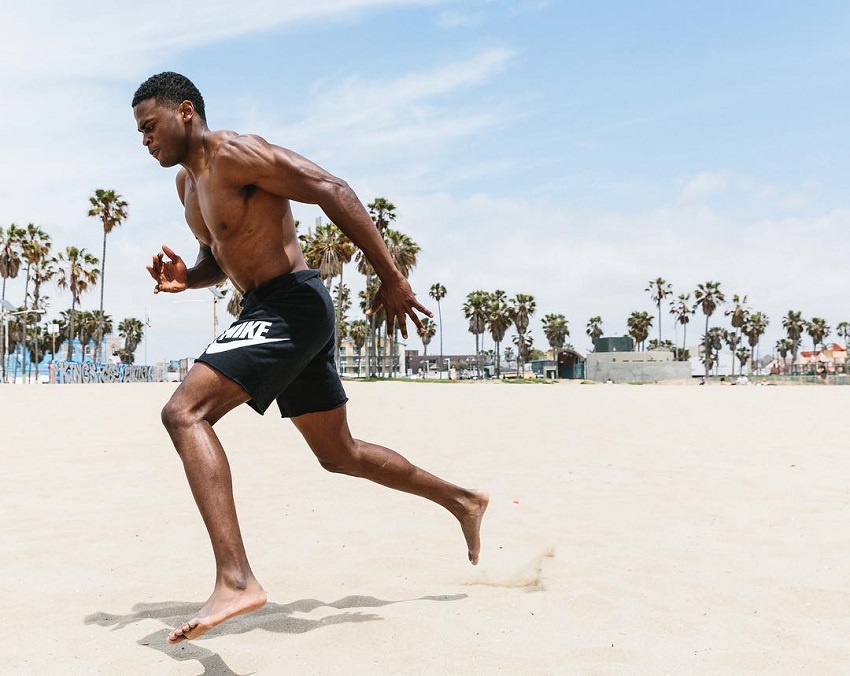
132	330
377	320
818	329
524	345
87	326
111	209
754	328
843	331
234	304
743	355
77	272
438	292
499	320
383	213
523	307
714	342
556	328
594	329
681	309
43	271
732	340
359	332
708	296
10	253
404	252
738	313
475	310
794	325
783	347
659	289
639	324
429	329
10	265
35	247
739	316
328	250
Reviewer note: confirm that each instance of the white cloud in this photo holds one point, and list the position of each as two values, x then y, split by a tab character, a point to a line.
457	19
71	39
704	185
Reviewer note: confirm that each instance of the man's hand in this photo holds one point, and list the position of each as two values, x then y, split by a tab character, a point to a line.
399	303
170	275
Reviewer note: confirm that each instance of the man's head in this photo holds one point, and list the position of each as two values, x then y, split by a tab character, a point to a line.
167	107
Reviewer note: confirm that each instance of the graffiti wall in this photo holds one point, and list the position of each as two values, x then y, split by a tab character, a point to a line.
74	372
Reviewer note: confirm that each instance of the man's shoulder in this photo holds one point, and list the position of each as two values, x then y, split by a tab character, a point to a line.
238	152
231	145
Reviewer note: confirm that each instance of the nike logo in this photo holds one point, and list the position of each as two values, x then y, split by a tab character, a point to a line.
242	334
216	347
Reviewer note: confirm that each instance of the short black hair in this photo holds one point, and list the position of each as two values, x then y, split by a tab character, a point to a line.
173	88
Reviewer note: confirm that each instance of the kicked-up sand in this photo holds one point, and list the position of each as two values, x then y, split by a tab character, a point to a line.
631	530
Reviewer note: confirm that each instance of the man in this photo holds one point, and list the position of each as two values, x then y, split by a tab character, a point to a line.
236	190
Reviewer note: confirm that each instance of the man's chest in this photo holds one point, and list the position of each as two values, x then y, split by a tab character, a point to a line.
213	211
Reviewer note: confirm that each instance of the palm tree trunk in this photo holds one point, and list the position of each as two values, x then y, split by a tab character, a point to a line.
97	355
440	317
706	348
659	323
71	328
336	324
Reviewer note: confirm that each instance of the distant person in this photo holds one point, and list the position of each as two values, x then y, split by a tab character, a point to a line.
236	190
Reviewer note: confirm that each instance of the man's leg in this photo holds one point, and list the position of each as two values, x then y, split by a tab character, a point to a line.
200	401
329	438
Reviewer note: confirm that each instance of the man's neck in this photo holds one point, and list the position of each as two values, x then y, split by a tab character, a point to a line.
199	153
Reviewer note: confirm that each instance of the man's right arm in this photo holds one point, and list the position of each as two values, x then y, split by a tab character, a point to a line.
172	276
205	272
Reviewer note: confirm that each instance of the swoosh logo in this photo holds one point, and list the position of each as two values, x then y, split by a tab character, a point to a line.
216	347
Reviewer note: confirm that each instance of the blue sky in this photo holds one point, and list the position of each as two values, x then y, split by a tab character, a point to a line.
572	151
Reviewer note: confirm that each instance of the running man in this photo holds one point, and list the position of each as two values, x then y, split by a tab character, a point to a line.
236	191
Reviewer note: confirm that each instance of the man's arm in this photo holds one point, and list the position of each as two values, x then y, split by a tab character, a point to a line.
172	276
245	160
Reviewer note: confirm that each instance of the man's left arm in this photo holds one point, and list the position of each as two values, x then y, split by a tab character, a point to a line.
251	160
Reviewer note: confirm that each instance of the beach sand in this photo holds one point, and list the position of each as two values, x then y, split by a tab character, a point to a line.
631	530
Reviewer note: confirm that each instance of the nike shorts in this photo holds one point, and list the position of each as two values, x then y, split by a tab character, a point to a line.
282	347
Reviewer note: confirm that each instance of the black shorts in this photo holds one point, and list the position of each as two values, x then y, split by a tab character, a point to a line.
282	347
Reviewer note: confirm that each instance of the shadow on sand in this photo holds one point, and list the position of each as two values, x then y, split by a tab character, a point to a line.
273	617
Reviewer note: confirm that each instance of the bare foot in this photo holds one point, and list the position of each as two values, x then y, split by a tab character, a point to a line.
225	602
470	522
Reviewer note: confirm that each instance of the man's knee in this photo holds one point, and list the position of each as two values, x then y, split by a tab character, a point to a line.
342	459
174	415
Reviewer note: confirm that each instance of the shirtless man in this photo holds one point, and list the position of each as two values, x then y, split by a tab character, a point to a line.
236	190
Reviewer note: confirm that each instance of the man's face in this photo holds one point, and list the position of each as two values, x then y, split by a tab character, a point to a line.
163	130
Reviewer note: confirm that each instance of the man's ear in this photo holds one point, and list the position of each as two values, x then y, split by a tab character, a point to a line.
187	111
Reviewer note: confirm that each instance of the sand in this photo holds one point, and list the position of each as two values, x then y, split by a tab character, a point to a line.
632	530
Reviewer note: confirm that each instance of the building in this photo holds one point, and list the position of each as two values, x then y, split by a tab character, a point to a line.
611	361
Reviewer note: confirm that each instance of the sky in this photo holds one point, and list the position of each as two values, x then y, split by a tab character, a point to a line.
573	151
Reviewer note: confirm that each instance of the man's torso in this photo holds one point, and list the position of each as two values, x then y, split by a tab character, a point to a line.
250	232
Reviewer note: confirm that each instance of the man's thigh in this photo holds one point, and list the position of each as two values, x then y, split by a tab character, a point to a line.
207	393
